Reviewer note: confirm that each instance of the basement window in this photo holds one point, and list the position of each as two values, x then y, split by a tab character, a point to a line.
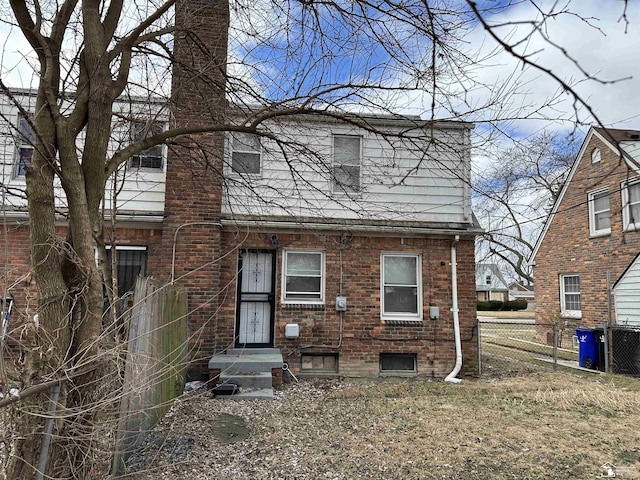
319	363
398	362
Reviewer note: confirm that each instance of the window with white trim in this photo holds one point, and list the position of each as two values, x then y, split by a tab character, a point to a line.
152	158
631	206
401	286
599	213
303	276
24	145
570	303
245	153
346	164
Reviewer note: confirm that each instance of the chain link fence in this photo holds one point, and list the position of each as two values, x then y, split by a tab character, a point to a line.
551	345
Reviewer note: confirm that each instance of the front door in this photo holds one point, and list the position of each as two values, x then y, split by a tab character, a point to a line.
256	298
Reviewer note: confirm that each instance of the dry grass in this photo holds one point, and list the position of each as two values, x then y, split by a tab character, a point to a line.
533	426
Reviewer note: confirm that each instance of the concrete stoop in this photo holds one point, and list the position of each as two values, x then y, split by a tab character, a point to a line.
249	369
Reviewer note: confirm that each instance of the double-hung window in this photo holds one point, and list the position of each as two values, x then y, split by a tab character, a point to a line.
303	276
151	158
346	164
245	153
24	146
570	304
631	206
401	287
599	213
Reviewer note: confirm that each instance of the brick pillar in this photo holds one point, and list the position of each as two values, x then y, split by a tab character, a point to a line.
194	183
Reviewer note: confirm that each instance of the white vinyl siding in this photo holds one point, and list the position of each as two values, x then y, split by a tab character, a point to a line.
401	286
140	195
627	296
599	213
303	277
631	205
570	297
404	180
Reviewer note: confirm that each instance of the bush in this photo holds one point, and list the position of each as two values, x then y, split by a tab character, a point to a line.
495	305
482	306
514	305
491	306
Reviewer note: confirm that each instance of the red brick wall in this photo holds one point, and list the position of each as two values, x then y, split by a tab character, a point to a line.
365	335
15	267
567	248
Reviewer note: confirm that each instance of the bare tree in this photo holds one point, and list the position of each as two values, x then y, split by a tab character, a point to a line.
515	194
285	59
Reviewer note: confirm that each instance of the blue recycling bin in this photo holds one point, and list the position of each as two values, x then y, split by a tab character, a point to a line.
588	348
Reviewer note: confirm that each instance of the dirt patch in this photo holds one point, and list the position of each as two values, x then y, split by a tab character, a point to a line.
230	428
537	425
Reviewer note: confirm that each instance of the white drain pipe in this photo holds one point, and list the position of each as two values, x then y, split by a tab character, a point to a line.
451	378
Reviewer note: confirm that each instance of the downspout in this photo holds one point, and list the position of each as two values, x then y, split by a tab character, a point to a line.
451	378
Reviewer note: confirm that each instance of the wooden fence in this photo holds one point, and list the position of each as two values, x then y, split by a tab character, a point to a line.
155	364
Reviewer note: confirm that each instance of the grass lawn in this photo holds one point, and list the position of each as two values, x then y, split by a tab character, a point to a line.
514	423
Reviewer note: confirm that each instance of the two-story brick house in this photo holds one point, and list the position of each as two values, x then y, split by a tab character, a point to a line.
346	244
591	240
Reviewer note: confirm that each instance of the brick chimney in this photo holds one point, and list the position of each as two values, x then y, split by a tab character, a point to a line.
194	166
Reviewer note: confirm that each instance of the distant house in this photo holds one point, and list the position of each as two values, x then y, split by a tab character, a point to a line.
591	241
490	284
522	291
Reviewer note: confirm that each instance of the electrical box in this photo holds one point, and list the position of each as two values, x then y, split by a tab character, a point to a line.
341	303
434	312
292	330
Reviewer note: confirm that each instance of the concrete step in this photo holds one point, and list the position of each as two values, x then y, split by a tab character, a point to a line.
246	362
253	381
260	394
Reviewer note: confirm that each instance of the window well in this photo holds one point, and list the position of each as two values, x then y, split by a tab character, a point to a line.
398	362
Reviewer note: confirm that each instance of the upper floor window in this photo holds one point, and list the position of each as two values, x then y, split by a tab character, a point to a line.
599	213
401	286
570	303
303	276
631	206
596	156
151	158
24	145
245	153
346	164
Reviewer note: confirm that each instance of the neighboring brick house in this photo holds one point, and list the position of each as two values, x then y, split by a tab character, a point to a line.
364	241
591	240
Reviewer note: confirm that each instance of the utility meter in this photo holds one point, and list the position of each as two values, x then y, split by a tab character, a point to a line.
341	303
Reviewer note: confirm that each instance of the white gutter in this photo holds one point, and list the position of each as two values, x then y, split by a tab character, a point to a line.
335	227
451	378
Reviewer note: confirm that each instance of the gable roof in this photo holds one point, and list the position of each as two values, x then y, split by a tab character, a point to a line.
610	137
